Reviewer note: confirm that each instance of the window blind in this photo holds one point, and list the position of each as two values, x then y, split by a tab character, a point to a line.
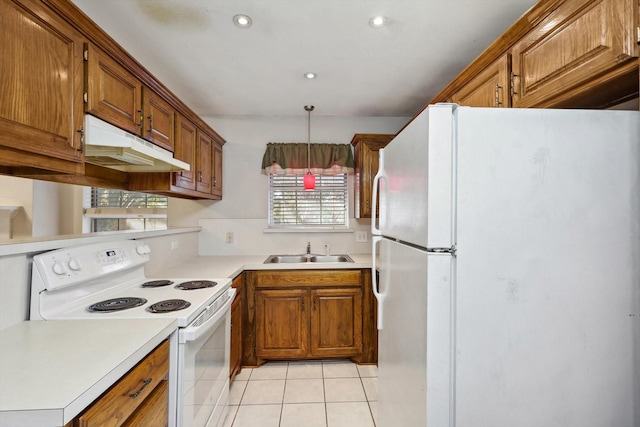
290	206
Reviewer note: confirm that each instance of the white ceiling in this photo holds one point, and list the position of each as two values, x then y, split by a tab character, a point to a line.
193	48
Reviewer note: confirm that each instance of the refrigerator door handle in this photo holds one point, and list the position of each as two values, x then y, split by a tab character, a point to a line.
374	282
381	174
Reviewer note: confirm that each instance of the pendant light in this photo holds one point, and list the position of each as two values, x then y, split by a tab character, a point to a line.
309	179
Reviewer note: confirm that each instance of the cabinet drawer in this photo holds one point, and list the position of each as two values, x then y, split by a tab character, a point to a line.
114	407
153	412
297	278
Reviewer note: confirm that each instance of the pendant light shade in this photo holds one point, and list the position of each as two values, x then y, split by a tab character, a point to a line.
309	181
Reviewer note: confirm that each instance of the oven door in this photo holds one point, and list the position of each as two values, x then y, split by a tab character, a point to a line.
203	367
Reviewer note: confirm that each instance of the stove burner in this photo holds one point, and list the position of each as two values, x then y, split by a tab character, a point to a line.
196	284
168	306
116	304
156	283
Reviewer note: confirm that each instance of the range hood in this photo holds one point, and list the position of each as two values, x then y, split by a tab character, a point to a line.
114	148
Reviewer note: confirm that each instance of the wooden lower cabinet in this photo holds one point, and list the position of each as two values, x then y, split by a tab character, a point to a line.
282	323
336	322
309	314
235	357
139	398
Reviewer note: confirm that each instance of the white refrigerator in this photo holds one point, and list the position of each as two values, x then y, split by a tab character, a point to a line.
508	249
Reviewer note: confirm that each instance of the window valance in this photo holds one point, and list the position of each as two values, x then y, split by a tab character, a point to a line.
291	158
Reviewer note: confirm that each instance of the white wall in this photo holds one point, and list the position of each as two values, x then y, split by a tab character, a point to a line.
243	209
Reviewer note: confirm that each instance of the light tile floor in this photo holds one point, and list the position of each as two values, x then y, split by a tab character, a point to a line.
307	393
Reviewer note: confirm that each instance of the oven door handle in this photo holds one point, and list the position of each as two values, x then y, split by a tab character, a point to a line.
192	333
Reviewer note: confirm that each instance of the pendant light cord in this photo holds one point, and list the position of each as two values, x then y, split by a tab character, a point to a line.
309	109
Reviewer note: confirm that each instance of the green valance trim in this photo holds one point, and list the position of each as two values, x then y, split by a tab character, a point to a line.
327	158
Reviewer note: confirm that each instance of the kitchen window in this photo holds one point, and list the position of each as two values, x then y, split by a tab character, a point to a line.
291	207
113	210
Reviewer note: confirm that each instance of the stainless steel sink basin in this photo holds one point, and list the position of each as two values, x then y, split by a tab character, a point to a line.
307	258
287	258
331	258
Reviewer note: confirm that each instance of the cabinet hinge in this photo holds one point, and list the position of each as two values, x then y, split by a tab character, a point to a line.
85	54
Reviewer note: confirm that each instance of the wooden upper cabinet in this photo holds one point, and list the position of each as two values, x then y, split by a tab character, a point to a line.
41	78
367	147
186	142
204	179
582	54
490	88
159	120
216	188
113	93
117	96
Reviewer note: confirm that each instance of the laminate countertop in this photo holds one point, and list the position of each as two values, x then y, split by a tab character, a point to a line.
232	265
51	370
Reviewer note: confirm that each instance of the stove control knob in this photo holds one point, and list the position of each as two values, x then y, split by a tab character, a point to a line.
58	268
74	264
147	249
140	250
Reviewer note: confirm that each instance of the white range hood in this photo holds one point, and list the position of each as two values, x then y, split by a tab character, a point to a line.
112	147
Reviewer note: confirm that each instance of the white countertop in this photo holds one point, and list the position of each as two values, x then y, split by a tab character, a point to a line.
232	265
51	370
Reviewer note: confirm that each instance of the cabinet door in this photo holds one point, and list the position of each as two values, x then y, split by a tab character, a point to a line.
572	50
159	118
235	362
367	147
490	88
282	323
41	75
113	93
336	322
186	141
153	412
216	188
203	163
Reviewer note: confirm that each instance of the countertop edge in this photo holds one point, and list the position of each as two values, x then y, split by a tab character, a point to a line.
59	416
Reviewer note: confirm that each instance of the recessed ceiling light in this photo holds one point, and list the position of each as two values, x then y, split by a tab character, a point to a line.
242	21
377	21
310	75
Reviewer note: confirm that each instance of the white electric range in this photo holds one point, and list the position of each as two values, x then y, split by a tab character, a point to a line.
107	280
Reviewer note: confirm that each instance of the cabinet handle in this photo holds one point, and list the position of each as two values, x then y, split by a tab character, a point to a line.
81	132
150	123
215	181
200	176
314	303
368	203
141	122
498	87
145	383
302	305
513	85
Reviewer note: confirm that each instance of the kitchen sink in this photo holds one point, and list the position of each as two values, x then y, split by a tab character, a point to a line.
307	258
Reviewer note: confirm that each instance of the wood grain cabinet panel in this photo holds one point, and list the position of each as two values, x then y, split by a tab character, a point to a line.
204	166
490	88
133	395
366	147
580	46
41	82
282	323
186	143
237	310
113	93
159	120
336	322
216	187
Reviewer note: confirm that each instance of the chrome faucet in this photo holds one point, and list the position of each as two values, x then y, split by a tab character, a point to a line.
308	248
